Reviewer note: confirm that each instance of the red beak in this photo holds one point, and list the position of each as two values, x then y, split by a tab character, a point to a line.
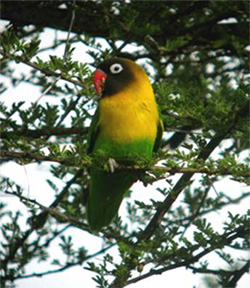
99	81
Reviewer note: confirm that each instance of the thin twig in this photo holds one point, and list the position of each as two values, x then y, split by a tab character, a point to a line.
39	220
43	70
65	56
35	157
69	265
196	213
46	91
220	205
50	210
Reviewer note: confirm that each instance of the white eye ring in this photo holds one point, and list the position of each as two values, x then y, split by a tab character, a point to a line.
116	68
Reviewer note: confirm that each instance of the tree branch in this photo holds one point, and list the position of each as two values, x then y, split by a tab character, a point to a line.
228	238
38	221
87	163
50	15
37	157
238	274
203	32
50	210
57	131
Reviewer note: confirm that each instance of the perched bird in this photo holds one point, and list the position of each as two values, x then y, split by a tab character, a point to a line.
126	126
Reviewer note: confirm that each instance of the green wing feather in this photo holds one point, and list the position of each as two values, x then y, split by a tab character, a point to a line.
94	131
158	138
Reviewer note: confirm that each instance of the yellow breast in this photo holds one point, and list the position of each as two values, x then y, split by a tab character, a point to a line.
130	115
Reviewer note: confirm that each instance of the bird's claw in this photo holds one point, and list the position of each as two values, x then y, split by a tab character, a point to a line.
112	165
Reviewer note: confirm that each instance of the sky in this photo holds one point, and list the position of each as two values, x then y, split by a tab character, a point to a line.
32	178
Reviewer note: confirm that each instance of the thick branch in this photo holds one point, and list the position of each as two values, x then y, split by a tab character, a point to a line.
238	274
88	20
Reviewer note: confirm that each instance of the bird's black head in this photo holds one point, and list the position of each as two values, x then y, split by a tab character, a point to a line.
114	75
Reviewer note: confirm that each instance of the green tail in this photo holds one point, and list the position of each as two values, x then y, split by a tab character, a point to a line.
106	193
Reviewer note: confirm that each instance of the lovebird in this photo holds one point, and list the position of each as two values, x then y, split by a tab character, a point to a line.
125	126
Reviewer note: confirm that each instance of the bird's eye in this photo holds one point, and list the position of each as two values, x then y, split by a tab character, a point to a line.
116	68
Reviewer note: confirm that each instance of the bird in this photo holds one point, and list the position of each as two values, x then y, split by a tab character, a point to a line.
126	125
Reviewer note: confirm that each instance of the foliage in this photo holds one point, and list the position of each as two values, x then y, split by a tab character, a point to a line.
196	53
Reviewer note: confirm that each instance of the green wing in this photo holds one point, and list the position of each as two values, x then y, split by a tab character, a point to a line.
158	138
94	131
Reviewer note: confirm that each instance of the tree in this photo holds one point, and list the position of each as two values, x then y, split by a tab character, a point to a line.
197	55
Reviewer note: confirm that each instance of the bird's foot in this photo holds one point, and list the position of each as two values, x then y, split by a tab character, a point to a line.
112	165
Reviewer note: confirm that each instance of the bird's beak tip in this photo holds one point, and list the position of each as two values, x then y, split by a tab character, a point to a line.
99	81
